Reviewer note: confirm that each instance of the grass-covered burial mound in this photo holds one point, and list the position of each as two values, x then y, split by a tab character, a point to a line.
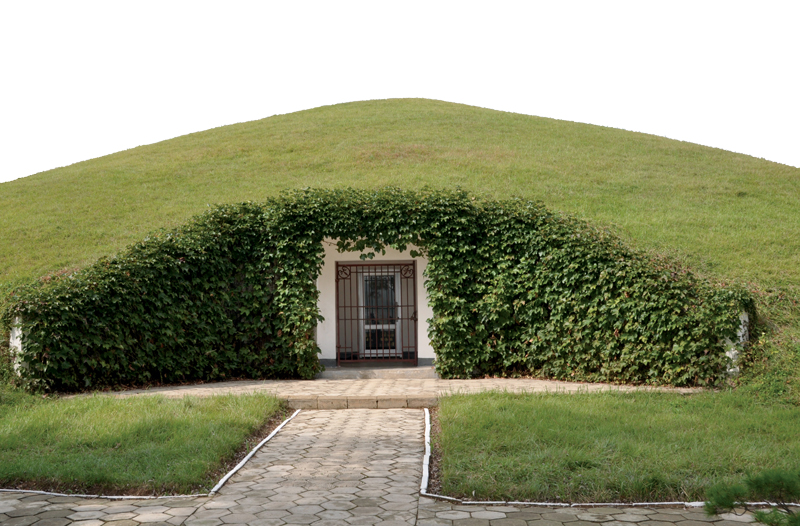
514	287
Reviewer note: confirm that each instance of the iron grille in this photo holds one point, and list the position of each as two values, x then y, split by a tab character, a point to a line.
376	312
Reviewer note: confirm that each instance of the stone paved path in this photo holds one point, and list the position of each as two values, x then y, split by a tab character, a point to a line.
355	467
380	393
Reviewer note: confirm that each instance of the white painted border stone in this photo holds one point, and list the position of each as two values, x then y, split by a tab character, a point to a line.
733	349
15	342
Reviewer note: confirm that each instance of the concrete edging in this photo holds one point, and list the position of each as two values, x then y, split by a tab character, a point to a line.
417	401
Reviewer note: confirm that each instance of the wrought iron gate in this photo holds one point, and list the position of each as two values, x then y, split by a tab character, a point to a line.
376	312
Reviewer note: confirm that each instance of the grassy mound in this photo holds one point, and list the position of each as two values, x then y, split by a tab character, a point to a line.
728	215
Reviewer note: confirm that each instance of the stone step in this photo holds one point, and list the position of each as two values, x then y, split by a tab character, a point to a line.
418	400
365	373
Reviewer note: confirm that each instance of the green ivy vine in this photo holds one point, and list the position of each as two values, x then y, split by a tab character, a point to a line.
514	287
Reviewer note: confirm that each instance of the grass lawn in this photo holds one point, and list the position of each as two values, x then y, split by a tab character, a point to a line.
609	447
138	445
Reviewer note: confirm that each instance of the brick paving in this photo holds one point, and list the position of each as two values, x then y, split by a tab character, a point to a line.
380	393
356	467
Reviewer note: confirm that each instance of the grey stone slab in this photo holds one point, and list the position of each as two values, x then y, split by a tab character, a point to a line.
665	517
53	514
238	518
488	514
364	520
126	515
560	516
202	522
630	517
267	522
53	521
471	522
22	512
20	521
524	515
508	522
300	519
544	522
434	522
152	517
86	515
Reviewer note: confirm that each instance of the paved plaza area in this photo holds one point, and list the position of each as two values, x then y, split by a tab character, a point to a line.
354	467
381	393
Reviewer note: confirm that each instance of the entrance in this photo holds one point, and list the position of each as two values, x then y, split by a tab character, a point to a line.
376	312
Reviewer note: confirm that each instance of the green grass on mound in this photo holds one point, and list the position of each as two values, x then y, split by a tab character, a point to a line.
728	215
609	447
729	212
143	445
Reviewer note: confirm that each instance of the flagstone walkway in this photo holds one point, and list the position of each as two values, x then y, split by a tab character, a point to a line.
381	393
355	467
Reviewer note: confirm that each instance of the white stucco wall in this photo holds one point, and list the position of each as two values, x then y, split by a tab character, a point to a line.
16	342
326	283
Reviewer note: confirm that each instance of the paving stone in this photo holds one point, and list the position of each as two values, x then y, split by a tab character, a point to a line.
439	522
362	402
302	402
741	518
331	522
299	519
453	515
560	516
20	521
152	517
630	517
543	522
202	522
471	522
119	523
508	522
53	521
267	522
89	507
524	515
22	512
486	514
86	515
238	518
120	516
595	517
364	520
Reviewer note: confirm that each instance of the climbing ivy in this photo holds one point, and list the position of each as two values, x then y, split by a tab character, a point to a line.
514	287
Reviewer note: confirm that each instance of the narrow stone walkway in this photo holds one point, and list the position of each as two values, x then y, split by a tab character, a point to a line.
356	467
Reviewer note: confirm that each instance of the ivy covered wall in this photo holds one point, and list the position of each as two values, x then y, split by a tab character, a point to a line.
514	288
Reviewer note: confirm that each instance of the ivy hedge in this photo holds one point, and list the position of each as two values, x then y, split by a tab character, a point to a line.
514	287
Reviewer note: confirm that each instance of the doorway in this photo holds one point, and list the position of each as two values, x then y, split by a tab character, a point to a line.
376	314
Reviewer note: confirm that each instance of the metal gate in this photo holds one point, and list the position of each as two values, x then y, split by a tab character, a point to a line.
376	312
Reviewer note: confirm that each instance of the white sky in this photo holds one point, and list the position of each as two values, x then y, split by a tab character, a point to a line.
83	79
